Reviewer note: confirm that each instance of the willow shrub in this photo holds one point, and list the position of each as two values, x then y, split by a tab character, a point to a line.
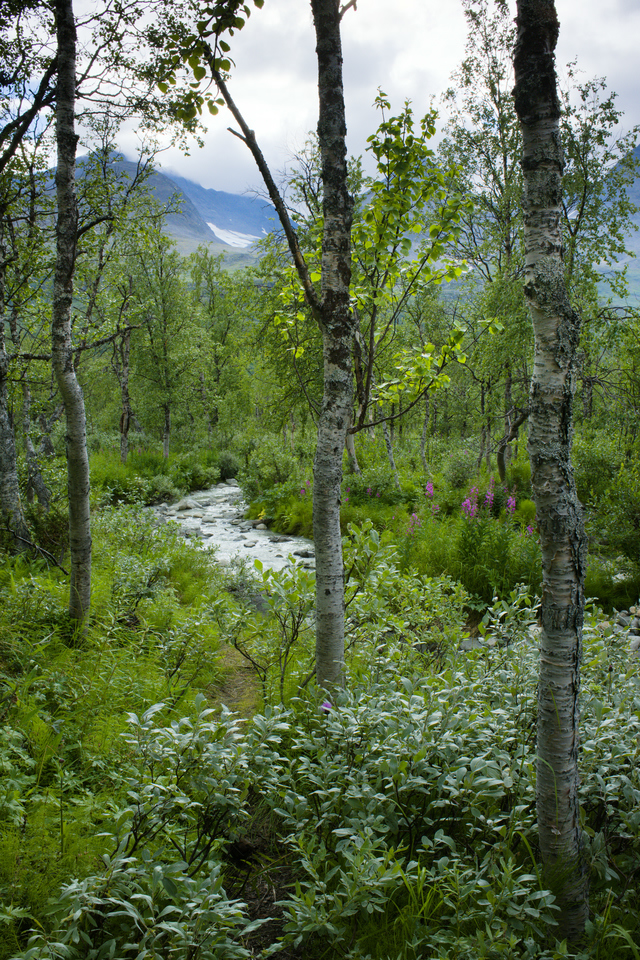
402	815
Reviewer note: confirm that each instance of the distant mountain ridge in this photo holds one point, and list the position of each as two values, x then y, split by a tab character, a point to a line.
226	222
233	213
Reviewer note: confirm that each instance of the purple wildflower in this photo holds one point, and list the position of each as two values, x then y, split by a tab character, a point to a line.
414	523
429	490
488	497
326	706
470	505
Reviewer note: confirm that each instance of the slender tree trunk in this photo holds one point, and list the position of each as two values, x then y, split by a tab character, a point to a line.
483	429
508	409
10	504
36	480
352	456
563	541
337	325
389	448
121	367
61	348
425	433
46	446
338	331
166	433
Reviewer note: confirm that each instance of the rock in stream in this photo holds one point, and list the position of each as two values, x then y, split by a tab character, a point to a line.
215	517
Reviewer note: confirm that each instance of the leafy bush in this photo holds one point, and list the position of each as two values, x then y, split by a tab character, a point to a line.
459	467
228	464
374	483
191	471
596	462
404	813
271	464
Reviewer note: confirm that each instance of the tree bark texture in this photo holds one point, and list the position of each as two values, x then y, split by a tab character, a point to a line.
562	535
166	432
61	346
338	331
10	504
121	366
36	485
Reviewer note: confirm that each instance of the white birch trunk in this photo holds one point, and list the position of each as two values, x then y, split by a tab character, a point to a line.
61	347
338	329
559	514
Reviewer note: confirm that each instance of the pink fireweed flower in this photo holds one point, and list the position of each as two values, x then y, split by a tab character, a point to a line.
530	530
429	490
470	505
511	504
488	497
414	523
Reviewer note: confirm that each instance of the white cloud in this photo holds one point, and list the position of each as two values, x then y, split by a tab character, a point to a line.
409	48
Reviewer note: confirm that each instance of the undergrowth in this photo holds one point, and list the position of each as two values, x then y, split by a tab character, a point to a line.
396	822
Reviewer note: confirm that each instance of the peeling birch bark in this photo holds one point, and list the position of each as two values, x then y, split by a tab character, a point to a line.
338	330
563	541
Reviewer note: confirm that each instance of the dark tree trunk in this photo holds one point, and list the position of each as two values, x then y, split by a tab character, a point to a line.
37	485
425	433
121	368
61	347
10	504
166	433
562	535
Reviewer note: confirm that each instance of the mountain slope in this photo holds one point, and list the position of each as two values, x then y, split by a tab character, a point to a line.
229	212
225	222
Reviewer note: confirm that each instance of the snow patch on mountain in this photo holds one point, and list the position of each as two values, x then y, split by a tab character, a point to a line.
232	237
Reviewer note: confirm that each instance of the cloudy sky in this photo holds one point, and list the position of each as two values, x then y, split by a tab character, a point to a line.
410	52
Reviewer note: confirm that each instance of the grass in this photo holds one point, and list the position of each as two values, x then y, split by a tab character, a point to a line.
419	782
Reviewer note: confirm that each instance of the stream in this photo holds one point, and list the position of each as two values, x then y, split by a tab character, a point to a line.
215	517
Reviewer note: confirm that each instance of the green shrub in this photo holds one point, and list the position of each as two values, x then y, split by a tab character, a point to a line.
270	464
190	471
161	489
596	463
374	483
525	513
519	474
459	467
229	465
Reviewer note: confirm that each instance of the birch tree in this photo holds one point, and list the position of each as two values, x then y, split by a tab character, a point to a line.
11	514
562	536
61	345
205	51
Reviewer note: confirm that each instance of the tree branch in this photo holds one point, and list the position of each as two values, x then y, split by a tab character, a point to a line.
250	139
